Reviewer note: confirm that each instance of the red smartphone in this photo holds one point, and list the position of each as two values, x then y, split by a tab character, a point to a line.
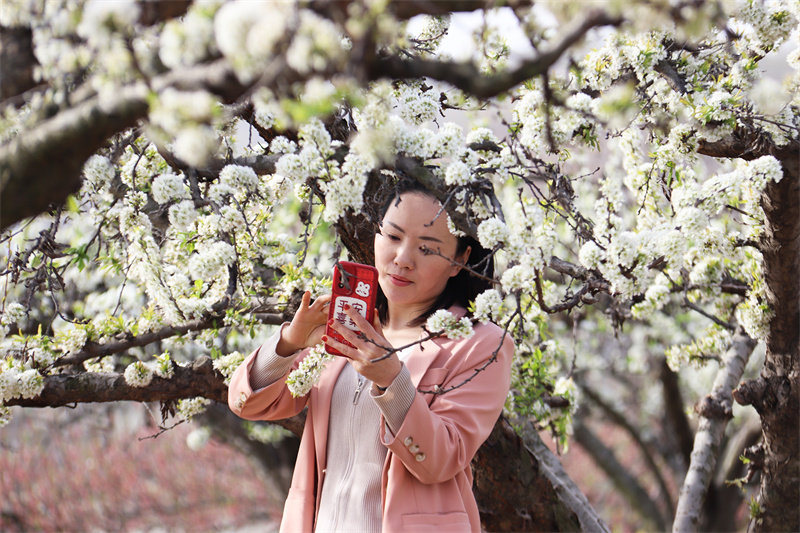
355	285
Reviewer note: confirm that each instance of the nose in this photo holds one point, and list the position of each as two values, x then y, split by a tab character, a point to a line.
403	257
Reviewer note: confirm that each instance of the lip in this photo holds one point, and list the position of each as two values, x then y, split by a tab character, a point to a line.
400	281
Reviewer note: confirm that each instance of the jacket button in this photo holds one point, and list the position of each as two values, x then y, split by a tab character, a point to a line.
243	397
420	457
414	448
239	404
408	442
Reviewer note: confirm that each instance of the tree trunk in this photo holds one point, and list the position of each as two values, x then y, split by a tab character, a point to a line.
776	393
512	492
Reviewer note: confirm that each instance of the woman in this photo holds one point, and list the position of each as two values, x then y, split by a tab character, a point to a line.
398	457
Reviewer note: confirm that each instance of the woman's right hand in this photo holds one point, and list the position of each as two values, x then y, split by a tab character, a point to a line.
307	326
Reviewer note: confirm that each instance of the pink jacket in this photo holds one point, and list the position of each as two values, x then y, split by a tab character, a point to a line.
427	479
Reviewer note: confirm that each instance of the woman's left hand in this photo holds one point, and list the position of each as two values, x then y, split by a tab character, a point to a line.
364	350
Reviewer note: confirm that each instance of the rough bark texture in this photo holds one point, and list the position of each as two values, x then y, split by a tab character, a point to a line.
779	404
550	466
715	411
512	492
776	393
724	499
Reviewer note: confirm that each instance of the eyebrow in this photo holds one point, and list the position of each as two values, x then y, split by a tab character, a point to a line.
424	237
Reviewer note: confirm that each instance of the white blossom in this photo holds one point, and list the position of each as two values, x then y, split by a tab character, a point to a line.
492	232
12	313
195	145
227	364
138	374
315	45
443	321
238	176
301	380
188	408
488	305
164	366
282	145
183	215
187	41
98	171
102	19
457	173
168	187
72	340
479	135
590	255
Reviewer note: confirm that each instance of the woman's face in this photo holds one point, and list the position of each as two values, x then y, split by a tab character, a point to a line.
409	277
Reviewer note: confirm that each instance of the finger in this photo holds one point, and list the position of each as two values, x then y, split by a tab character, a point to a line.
322	302
342	348
305	301
376	324
359	320
346	333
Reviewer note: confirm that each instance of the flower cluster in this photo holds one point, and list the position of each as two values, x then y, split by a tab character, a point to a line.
444	322
138	374
488	305
301	380
169	187
711	343
493	232
71	340
188	408
17	381
227	364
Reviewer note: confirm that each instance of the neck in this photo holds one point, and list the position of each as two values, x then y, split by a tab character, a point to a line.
400	316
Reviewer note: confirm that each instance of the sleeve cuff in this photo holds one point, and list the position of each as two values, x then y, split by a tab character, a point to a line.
268	367
397	400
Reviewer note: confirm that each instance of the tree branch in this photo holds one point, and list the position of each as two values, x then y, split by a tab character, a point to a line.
552	468
49	151
471	80
196	379
93	350
715	411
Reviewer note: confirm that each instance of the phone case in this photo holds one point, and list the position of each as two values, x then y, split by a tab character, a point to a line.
356	288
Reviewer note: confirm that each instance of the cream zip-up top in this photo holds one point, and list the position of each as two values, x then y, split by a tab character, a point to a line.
351	488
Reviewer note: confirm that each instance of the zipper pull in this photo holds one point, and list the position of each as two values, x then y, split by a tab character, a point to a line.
358	390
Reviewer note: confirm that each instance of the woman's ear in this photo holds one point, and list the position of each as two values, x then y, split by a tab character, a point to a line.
463	258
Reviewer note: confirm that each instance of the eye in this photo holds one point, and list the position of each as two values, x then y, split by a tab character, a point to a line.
392	237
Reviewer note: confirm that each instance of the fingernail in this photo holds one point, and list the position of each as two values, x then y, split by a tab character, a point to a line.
346	307
324	338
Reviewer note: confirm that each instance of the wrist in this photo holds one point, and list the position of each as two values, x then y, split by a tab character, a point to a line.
285	347
382	386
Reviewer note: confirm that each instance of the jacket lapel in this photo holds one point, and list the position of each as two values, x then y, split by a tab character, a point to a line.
420	359
424	354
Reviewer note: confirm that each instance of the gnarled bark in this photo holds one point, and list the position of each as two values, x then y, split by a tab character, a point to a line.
776	393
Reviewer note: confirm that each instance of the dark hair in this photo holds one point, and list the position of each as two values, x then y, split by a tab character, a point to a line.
462	288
